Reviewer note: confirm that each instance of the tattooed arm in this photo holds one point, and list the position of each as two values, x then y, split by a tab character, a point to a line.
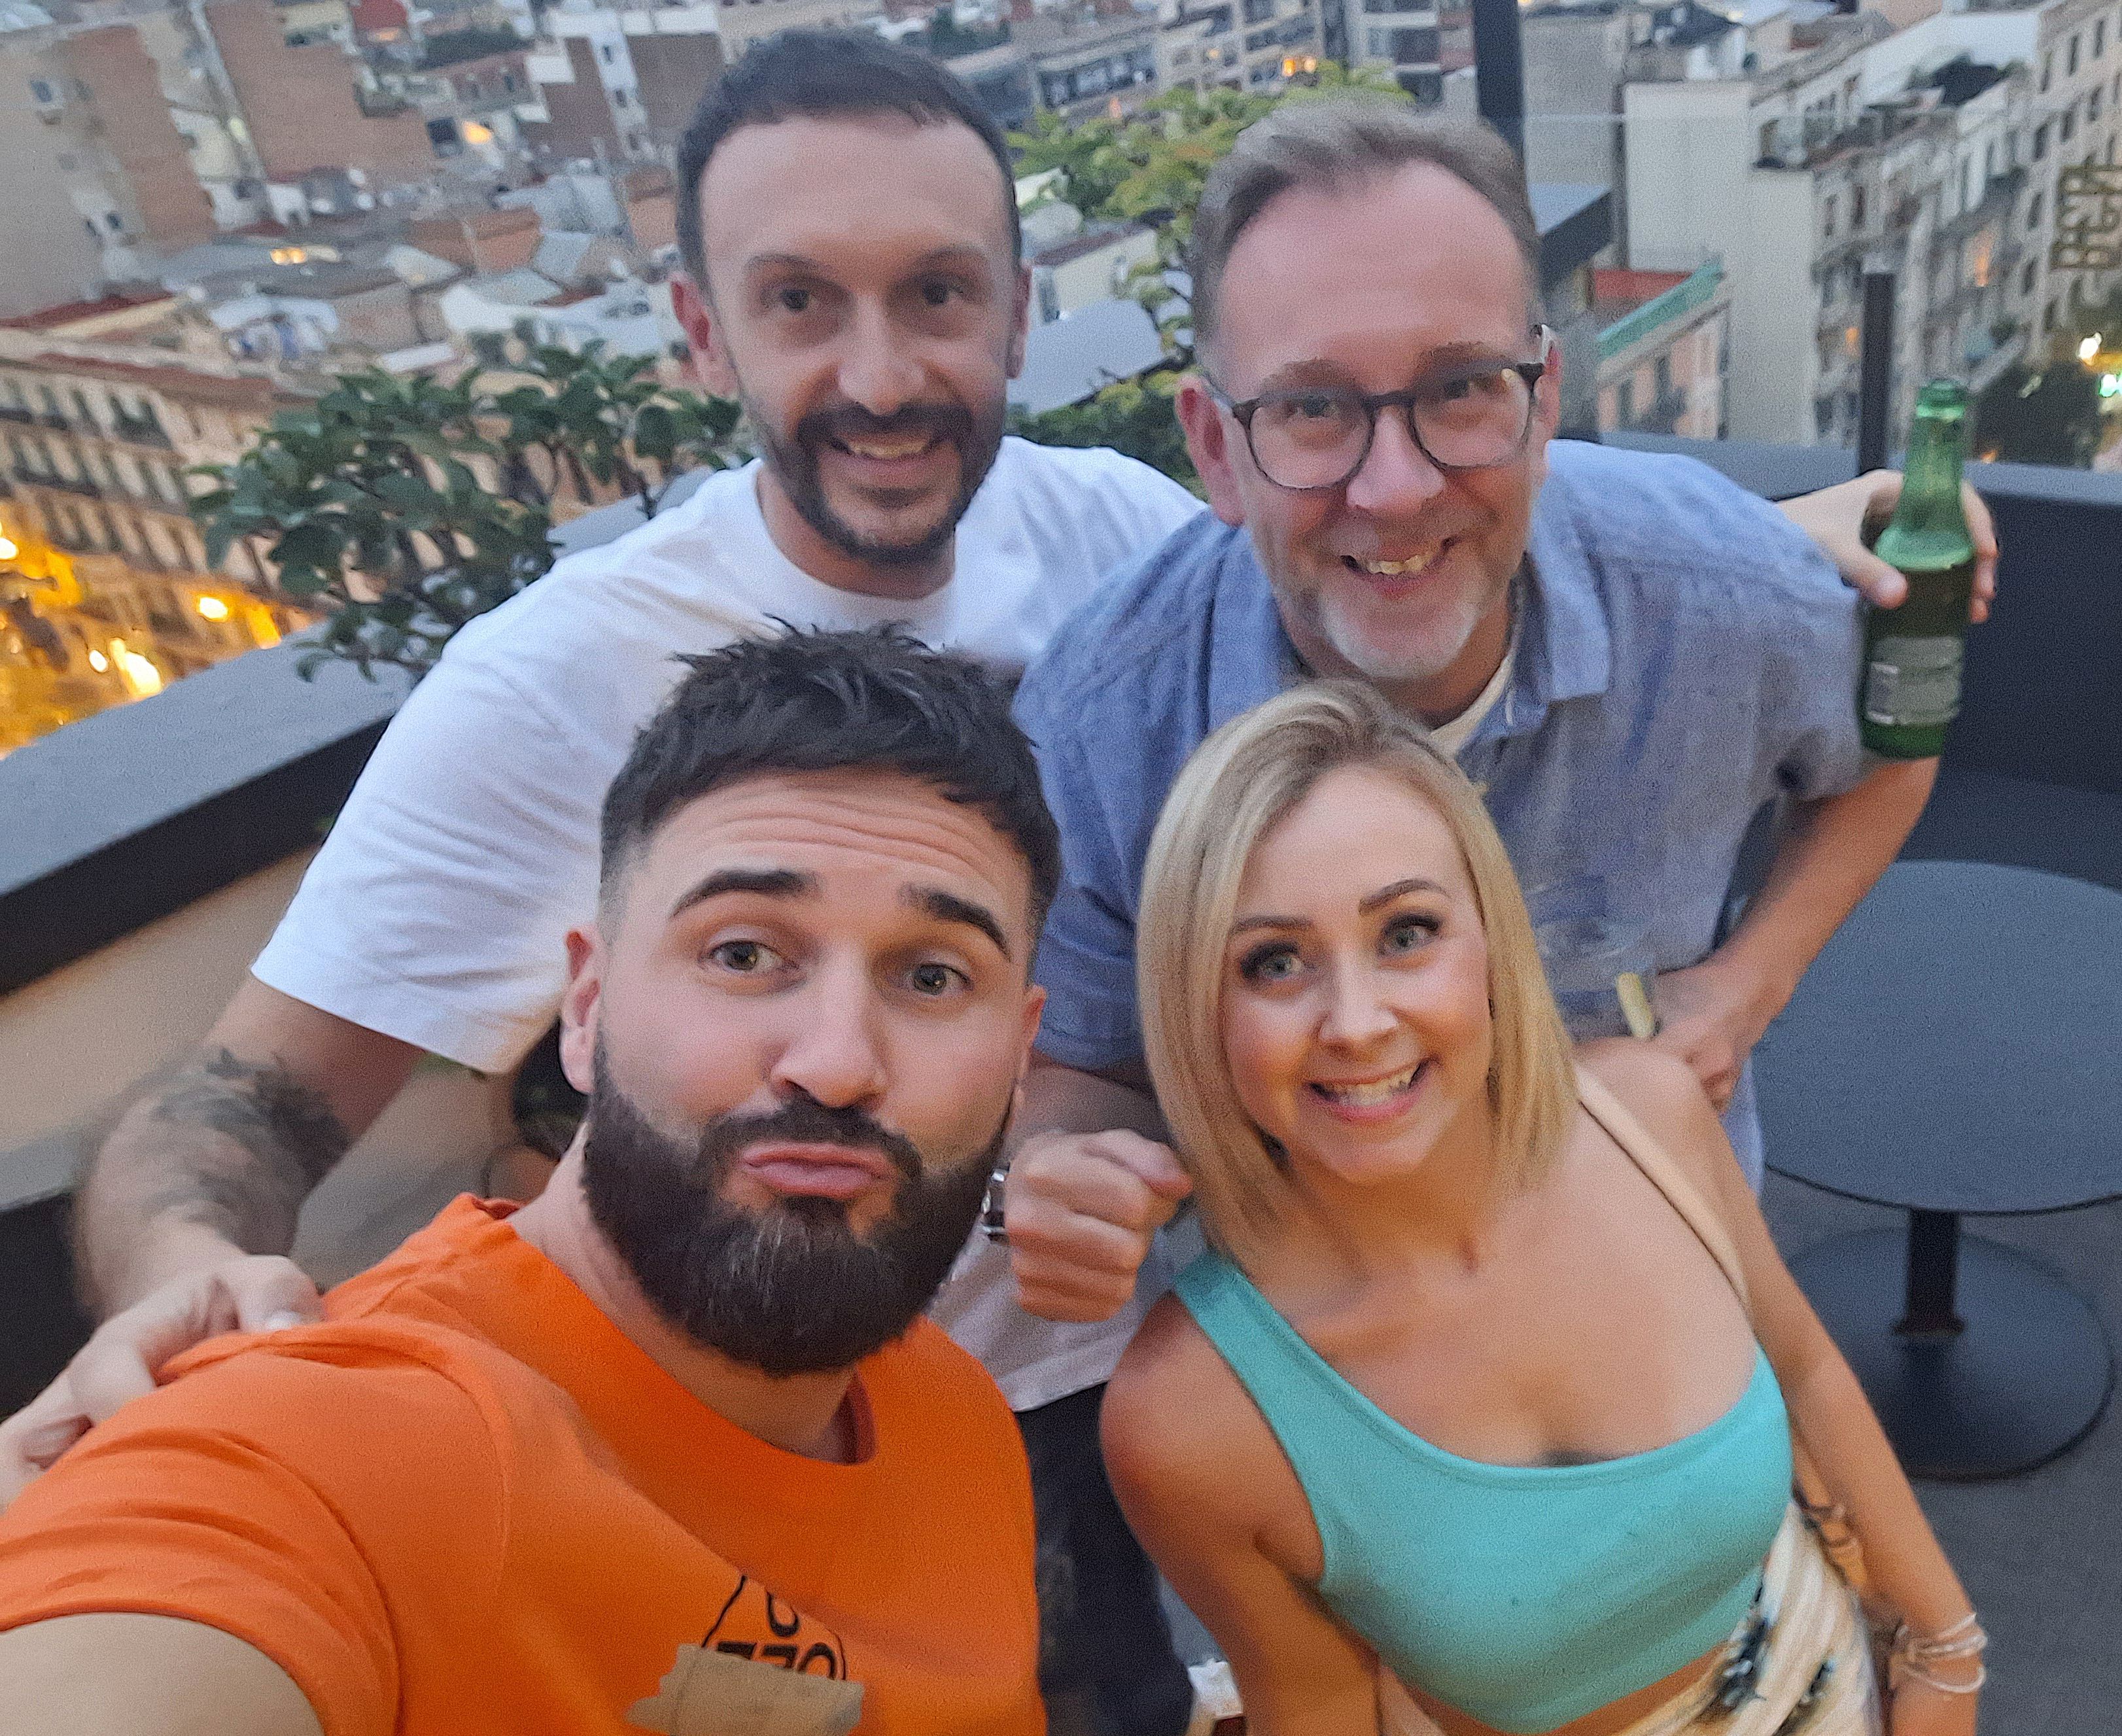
215	1159
183	1215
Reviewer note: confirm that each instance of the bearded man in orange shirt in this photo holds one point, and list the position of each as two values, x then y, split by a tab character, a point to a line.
668	1450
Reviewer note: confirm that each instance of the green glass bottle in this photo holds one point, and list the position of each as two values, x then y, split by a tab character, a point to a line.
1912	655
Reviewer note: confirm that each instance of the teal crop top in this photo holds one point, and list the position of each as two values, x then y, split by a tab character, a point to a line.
1525	1596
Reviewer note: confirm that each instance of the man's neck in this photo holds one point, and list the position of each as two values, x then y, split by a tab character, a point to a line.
805	1414
830	564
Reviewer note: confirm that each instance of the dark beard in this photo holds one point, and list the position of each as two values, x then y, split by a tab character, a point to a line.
793	1289
794	461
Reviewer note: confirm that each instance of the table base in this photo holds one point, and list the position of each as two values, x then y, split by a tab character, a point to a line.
2028	1376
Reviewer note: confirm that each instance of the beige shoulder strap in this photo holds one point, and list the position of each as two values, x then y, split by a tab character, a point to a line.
1668	1176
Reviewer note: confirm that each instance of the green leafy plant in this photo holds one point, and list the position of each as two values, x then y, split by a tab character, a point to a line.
402	509
1151	168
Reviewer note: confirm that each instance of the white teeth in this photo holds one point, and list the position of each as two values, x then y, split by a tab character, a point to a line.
1369	1096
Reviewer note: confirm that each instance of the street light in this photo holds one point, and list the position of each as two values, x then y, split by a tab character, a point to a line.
2089	348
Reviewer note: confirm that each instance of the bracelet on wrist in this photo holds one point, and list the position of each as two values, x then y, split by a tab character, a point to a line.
1913	1656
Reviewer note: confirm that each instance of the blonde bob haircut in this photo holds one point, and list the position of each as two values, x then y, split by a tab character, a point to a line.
1241	783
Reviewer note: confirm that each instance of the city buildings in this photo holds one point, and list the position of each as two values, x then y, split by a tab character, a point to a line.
1241	44
1661	339
106	589
1801	149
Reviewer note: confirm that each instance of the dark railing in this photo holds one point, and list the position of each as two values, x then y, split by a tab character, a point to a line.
17	413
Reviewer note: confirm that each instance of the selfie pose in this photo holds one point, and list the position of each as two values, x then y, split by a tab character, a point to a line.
1479	1413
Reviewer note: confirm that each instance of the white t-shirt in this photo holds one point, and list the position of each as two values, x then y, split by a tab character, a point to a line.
436	910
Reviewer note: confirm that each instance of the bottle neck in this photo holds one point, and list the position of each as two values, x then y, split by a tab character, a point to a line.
1930	489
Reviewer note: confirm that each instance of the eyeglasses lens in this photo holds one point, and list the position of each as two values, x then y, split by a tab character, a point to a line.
1319	439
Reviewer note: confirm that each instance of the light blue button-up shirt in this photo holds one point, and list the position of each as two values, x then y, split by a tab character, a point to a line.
1685	653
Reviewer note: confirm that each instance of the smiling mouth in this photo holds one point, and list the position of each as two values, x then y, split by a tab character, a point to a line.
1370	1093
1407	566
889	450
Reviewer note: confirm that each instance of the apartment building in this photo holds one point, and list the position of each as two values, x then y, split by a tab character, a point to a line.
1241	44
1798	151
621	82
1663	342
106	588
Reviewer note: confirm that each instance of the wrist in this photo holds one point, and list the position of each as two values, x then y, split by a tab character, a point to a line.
164	1254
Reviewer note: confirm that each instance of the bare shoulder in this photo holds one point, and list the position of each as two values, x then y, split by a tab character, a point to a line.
1661	1092
1179	1428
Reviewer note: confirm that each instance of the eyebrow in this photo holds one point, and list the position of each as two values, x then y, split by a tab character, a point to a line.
1435	364
955	254
1369	902
761	882
932	900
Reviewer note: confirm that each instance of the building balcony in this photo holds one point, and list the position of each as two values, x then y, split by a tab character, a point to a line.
19	414
66	484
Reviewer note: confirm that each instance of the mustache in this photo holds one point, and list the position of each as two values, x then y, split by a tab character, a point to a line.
806	1122
847	422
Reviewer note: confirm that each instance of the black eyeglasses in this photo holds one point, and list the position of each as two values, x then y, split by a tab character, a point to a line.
1305	437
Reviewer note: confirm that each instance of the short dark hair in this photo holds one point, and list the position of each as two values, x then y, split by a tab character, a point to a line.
820	74
1332	144
811	701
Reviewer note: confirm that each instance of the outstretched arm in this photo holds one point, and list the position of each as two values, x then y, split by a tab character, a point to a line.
183	1214
216	1158
1832	853
134	1675
1839	518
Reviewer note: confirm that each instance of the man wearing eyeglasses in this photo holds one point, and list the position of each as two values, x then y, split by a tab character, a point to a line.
1630	654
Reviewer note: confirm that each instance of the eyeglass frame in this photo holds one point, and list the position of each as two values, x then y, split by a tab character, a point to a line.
1243	410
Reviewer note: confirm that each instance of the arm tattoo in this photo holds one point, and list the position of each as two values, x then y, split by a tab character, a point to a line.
287	1131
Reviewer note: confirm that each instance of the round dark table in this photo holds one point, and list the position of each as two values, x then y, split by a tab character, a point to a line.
1957	1048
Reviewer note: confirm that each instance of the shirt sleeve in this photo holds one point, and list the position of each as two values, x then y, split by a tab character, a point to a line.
1086	960
436	911
272	1497
1810	663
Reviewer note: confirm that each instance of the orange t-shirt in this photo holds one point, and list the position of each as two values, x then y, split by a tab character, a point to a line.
467	1503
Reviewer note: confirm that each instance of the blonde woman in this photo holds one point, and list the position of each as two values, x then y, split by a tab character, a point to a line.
1478	1414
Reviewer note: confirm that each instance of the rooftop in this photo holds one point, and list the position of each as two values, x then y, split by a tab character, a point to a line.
79	313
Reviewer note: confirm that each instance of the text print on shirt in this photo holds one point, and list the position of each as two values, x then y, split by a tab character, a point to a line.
764	1669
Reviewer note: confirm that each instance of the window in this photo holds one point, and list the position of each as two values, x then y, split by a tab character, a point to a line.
2070	58
2049	317
2040	142
2092	105
2026	277
2068	125
1827	216
2034	212
2048	66
609	53
1856	210
1661	375
2099	38
618	99
41	89
1624	403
